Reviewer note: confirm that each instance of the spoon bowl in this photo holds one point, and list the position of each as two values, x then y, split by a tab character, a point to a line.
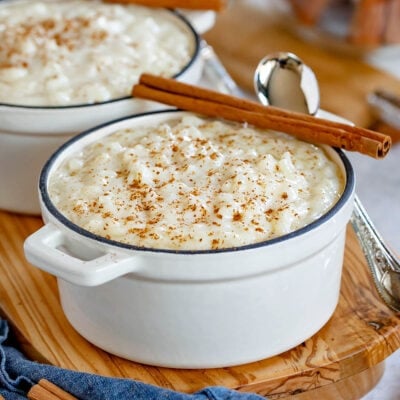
283	80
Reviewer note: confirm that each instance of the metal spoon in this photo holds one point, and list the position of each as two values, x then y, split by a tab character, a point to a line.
283	80
286	73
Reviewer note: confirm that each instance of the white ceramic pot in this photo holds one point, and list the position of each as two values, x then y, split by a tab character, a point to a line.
192	309
29	134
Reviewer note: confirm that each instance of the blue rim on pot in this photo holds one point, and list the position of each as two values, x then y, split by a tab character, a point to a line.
46	171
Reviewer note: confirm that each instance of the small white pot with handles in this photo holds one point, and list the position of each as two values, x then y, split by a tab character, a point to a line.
192	309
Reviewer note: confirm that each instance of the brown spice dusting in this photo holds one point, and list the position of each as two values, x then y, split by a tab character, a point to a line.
214	156
188	199
65	33
215	243
195	192
237	216
78	209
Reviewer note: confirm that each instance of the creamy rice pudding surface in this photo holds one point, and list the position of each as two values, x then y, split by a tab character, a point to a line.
63	52
194	184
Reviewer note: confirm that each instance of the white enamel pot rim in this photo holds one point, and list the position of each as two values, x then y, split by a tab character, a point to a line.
120	258
31	108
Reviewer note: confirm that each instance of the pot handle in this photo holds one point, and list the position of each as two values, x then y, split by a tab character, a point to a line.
44	249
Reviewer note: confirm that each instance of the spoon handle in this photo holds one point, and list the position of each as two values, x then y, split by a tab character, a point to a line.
381	261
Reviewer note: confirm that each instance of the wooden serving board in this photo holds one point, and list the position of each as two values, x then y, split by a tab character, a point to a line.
361	333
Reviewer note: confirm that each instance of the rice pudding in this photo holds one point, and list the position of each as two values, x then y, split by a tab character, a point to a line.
66	52
193	183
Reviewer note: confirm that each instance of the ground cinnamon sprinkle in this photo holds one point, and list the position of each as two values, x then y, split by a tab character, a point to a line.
65	33
237	216
84	51
193	183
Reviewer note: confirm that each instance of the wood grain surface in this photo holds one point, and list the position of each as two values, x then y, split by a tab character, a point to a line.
360	335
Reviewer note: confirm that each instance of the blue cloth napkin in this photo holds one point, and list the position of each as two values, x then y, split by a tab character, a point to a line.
18	375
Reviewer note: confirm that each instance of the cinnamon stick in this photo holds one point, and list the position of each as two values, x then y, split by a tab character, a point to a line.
216	5
45	390
173	86
215	104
